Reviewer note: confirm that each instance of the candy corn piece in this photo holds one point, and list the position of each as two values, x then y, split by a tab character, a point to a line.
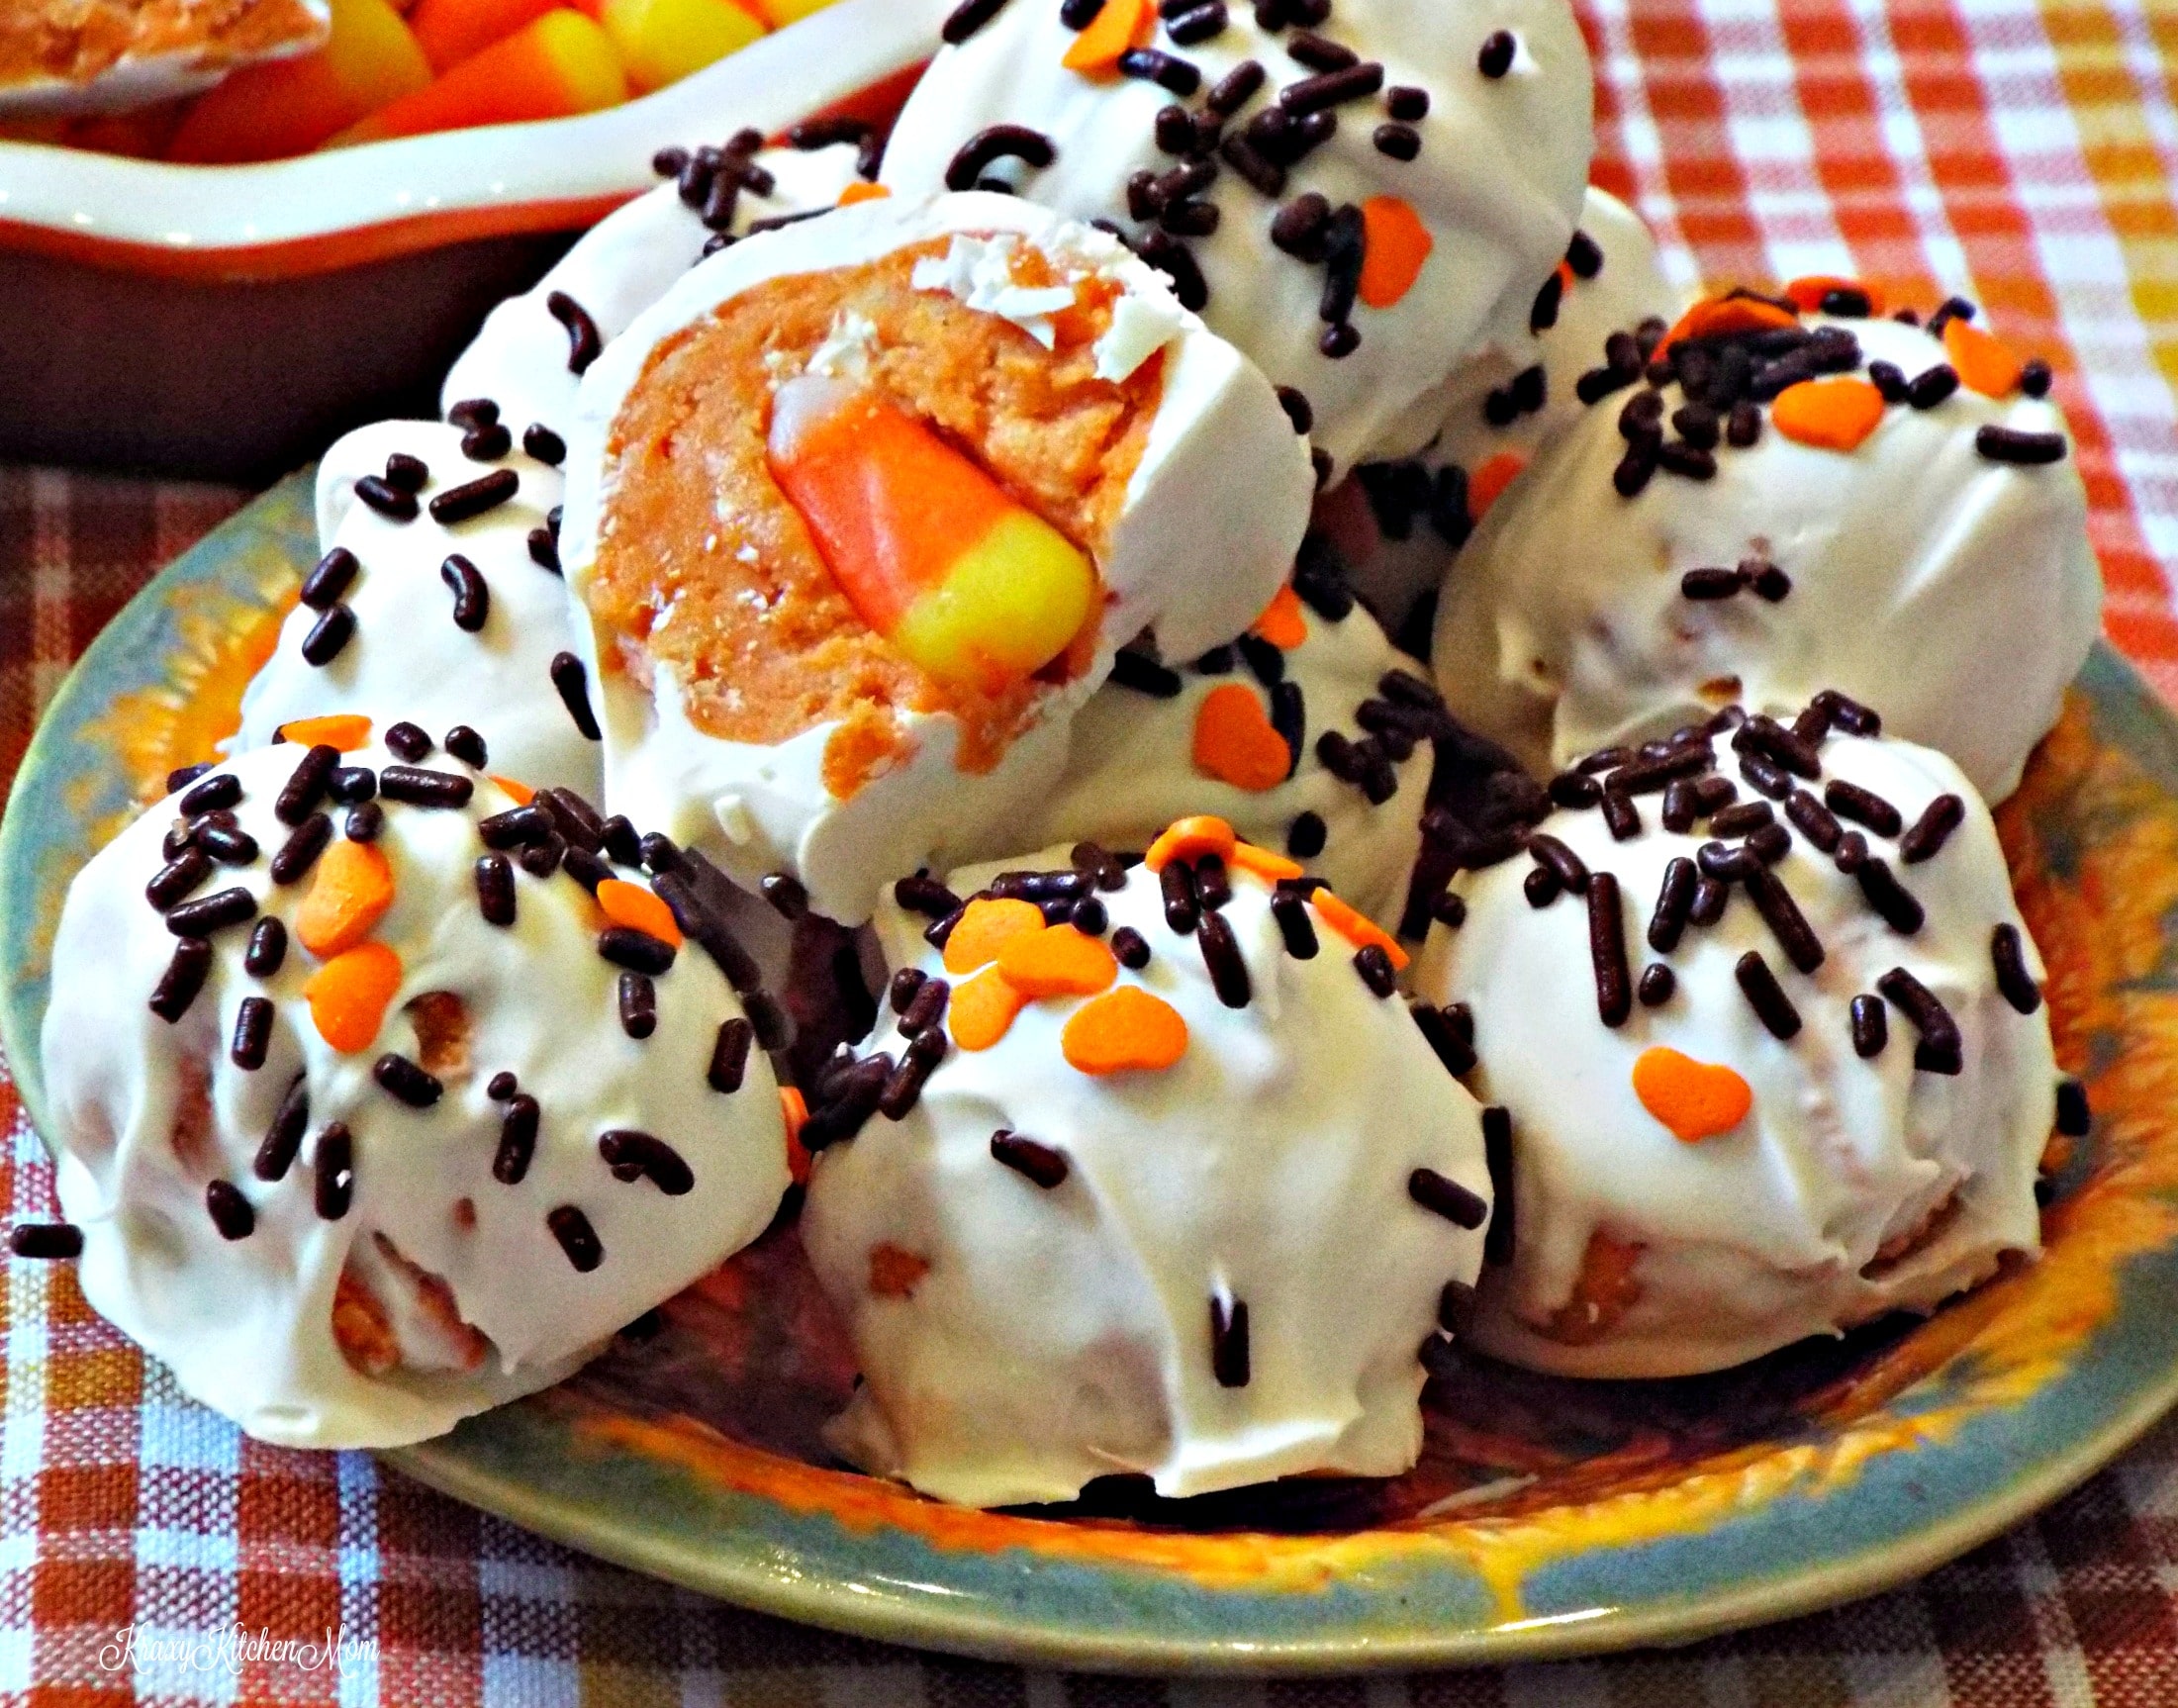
452	30
560	65
933	555
663	40
287	107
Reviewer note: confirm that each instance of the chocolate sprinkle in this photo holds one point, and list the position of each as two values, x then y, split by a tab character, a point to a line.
1131	948
1607	950
177	878
1620	816
1938	1051
1497	1243
414	787
284	1138
1229	1341
576	1238
1222	956
402	1079
2009	952
1674	900
1862	806
1040	1164
1560	861
332	1162
46	1242
1373	963
472	598
573	681
1781	914
729	1055
408	741
1453	1047
209	913
1182	907
328	636
460	504
298	853
1144	675
965	20
252	1034
582	340
1871	1027
925	1009
1708	906
518	1139
633	1156
2074	1117
231	1213
1925	839
637	951
1166	70
2012	445
388	500
1658	982
494	890
1448	1198
1765	996
364	821
267	949
993	144
1891	900
325	584
1814	819
407	473
904	1086
1495	58
784	892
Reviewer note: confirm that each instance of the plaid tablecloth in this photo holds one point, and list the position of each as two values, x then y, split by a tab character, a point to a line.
2023	155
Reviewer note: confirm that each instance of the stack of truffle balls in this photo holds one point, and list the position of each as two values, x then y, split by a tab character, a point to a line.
1192	692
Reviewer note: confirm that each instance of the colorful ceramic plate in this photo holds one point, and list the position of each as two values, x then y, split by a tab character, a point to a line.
1546	1518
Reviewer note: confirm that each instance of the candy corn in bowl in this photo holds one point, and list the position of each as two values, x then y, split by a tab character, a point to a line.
298	241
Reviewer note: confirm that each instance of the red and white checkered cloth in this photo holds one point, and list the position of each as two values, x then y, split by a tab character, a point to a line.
2023	155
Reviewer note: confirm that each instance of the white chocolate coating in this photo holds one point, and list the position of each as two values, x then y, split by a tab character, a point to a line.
1497	183
1392	573
616	270
246	1324
1770	1232
1957	594
1062	1335
1215	509
408	658
1131	770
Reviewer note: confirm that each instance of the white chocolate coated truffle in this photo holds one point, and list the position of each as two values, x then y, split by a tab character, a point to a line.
522	359
1956	592
1848	1186
1133	768
1501	402
407	657
451	1289
1018	1339
1212	514
1496	183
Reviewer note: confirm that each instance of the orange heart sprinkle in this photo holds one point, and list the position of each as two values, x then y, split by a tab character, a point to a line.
350	995
1110	33
1356	927
894	1272
630	904
1235	743
349	893
1984	364
1807	293
858	191
1282	622
1397	244
1270	867
982	1009
1489	483
1122	1030
1697	1101
1058	961
346	730
984	928
1723	315
1191	839
1830	414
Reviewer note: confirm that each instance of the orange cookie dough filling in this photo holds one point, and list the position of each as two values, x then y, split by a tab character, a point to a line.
705	565
78	41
